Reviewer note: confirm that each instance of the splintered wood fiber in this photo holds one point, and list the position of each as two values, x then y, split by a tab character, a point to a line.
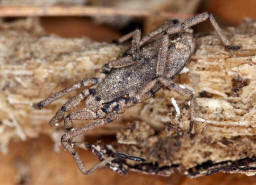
34	65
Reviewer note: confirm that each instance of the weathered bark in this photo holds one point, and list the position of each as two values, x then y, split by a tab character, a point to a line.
34	65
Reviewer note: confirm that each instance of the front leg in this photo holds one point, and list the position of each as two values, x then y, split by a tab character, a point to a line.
126	60
203	17
135	48
185	92
87	82
84	114
69	104
149	36
74	101
116	64
199	19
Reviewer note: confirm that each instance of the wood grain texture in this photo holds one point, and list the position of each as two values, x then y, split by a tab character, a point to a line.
51	59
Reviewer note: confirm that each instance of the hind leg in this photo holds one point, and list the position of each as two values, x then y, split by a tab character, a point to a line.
100	118
66	141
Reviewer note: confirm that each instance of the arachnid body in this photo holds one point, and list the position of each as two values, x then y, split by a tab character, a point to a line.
148	65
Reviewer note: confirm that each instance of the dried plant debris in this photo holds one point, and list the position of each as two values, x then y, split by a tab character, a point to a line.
41	3
34	65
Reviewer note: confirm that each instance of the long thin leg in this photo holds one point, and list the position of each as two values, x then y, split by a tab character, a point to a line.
69	135
152	86
67	106
149	89
119	63
203	17
135	48
87	114
128	36
175	27
84	114
198	19
107	159
134	51
158	31
184	91
84	83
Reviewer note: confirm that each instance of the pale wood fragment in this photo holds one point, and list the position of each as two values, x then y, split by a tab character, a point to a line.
34	65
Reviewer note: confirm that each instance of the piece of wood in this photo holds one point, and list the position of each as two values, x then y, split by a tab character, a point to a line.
223	138
35	11
34	65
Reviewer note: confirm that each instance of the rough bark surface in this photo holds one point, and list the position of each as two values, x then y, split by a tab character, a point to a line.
34	65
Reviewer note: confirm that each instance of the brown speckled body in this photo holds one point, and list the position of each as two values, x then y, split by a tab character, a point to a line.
130	80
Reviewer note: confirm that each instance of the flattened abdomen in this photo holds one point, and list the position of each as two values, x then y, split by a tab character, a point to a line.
124	81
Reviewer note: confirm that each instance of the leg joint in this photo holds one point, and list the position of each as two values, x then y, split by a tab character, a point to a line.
96	80
63	138
63	108
40	105
109	120
172	85
68	117
175	21
134	100
106	69
92	91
